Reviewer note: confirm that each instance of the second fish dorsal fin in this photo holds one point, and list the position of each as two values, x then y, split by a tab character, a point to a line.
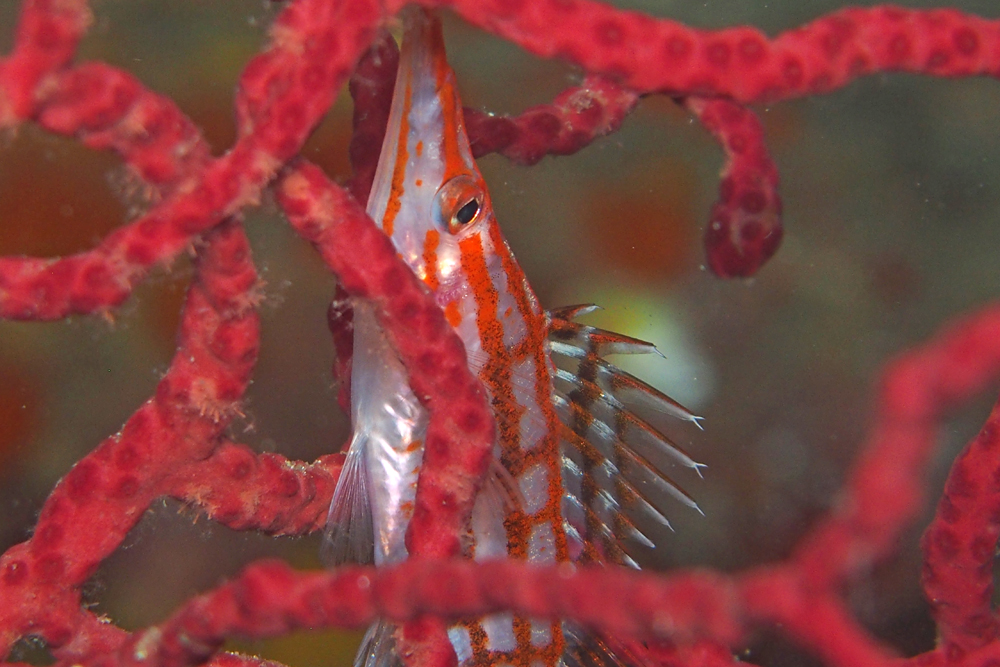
350	535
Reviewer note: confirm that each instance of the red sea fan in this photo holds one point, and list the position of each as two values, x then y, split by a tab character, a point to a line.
889	230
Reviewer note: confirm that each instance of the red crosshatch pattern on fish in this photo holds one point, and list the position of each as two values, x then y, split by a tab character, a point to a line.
569	461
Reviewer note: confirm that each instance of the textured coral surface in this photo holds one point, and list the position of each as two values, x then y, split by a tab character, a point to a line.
188	197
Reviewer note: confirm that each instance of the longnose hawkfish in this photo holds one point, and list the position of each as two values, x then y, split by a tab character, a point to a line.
574	465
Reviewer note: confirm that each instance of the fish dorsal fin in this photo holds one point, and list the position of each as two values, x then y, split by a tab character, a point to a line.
350	536
615	462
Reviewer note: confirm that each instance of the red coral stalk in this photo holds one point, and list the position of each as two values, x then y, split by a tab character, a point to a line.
745	228
269	598
661	56
577	117
226	488
88	514
959	547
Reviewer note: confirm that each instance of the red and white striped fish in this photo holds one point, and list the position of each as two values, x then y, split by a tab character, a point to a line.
573	462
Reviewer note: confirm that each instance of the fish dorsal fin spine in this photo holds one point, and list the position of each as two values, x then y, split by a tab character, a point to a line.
615	462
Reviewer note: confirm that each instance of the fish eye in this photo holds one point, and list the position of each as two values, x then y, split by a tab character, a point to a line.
465	214
459	203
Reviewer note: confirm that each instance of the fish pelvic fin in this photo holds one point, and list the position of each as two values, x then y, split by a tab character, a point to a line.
350	536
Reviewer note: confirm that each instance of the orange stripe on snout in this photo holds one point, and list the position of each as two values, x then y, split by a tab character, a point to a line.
399	169
451	110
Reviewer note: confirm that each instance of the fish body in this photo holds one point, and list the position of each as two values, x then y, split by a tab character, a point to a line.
559	488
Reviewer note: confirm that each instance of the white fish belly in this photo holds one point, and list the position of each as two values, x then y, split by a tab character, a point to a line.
391	422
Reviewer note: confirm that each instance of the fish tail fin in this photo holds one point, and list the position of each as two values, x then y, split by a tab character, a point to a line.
378	648
590	649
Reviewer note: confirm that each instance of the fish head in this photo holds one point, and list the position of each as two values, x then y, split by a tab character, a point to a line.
428	194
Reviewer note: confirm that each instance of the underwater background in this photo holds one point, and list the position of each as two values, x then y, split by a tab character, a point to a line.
891	192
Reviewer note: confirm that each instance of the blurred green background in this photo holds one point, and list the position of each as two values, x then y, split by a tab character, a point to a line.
891	190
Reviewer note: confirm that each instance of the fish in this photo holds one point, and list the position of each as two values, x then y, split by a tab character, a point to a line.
577	469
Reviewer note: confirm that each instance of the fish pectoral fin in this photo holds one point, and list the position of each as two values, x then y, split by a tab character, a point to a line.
502	486
500	496
350	535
